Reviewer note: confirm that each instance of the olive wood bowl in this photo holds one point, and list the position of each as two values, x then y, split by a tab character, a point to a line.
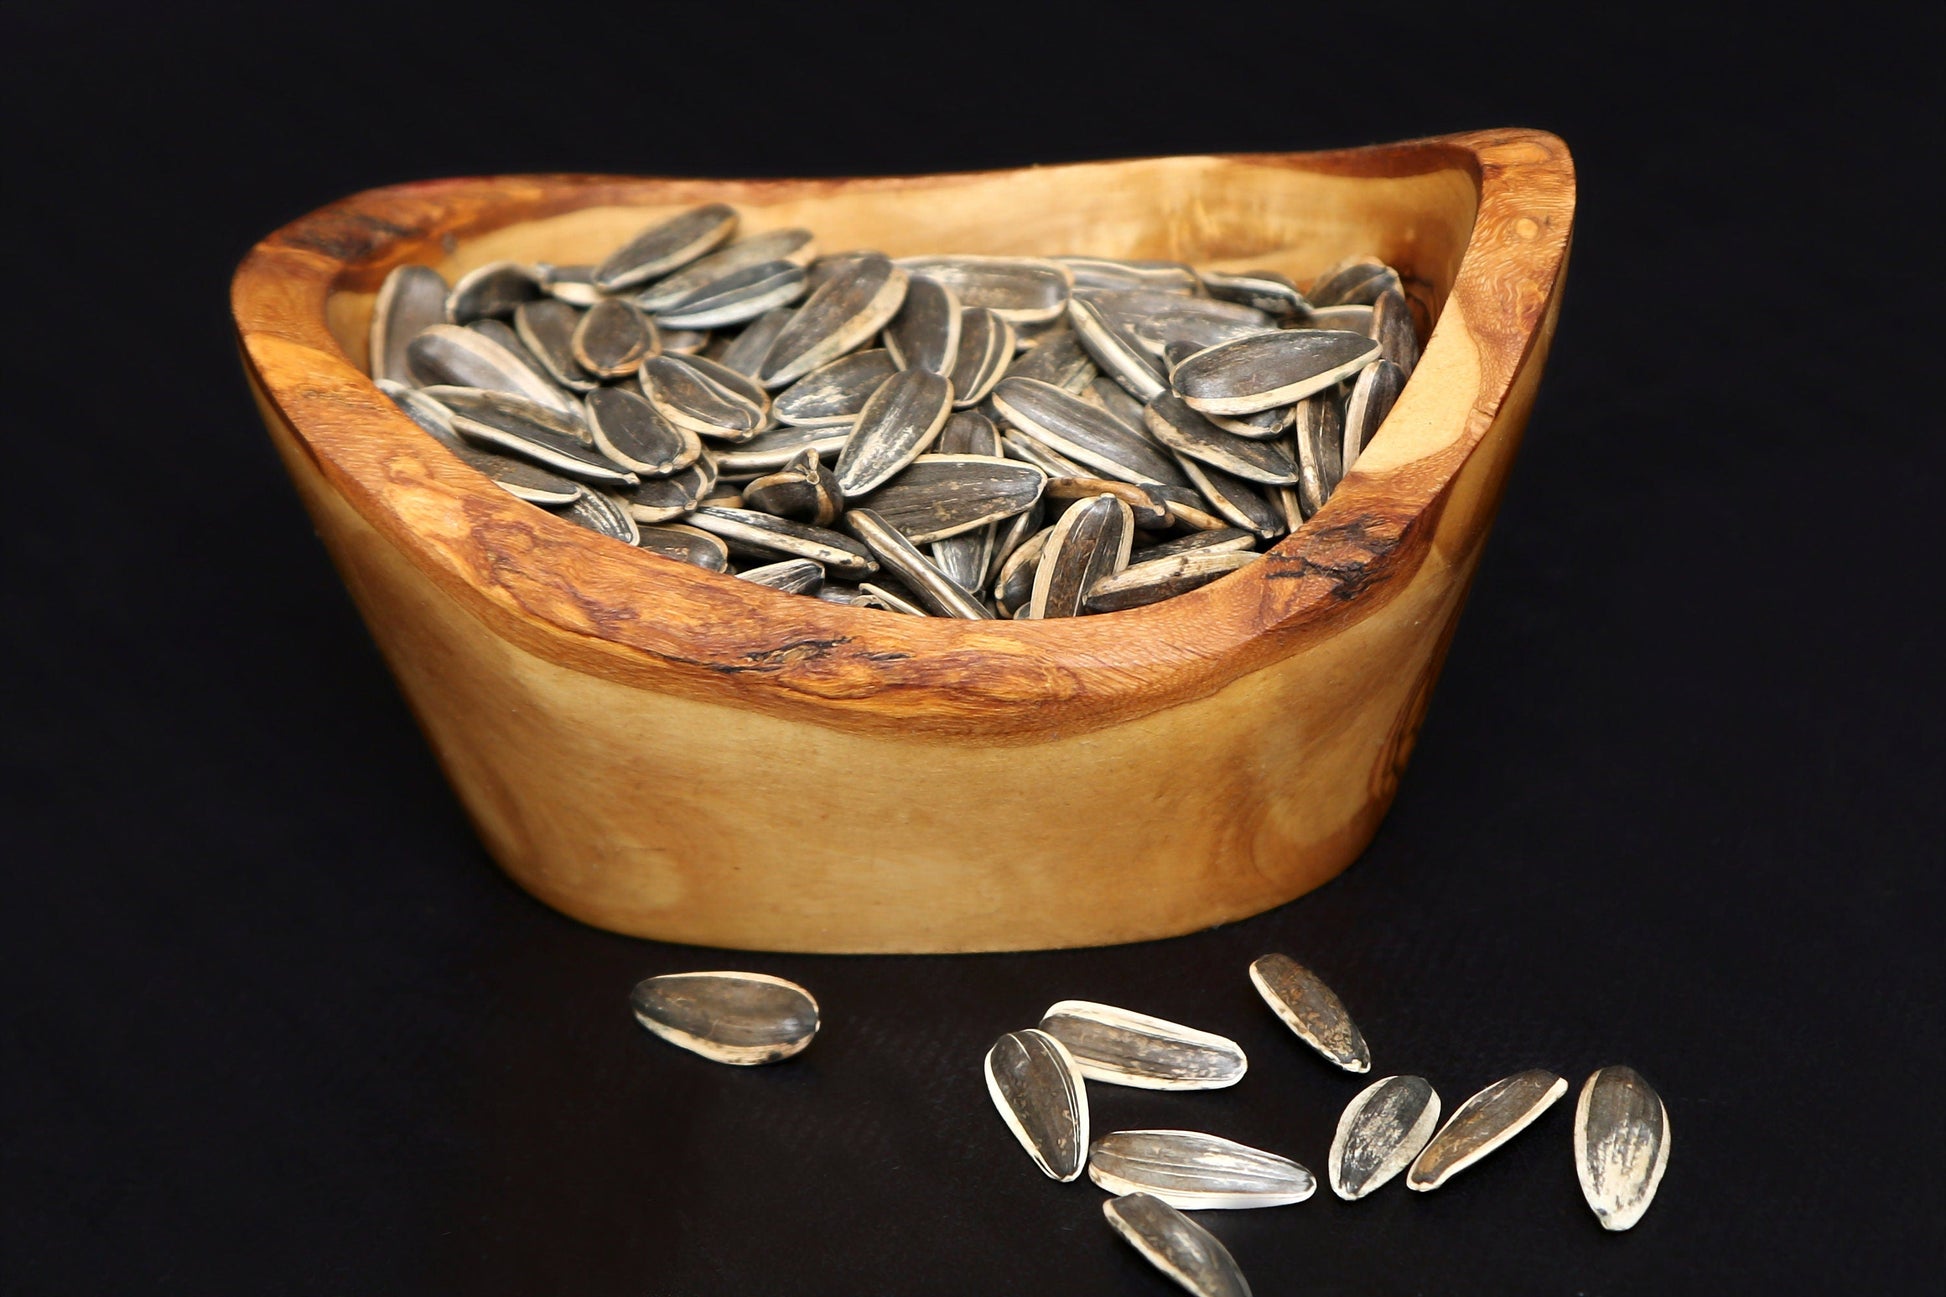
677	754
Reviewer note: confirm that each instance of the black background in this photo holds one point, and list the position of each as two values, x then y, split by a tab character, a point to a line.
273	1023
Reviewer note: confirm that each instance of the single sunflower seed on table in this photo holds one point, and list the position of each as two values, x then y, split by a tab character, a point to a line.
1483	1123
491	291
412	298
834	393
986	347
685	545
739	1018
860	298
1312	1010
902	558
797	246
600	511
666	246
925	334
1123	1047
1091	541
1187	1253
631	431
1114	352
1356	281
1393	330
1193	1171
1087	434
1023	290
803	490
452	355
1269	369
746	351
613	338
1152	580
1264	290
1171	421
1238	501
736	298
791	576
1380	1132
689	397
546	328
1040	1095
1372	398
1621	1145
749	531
900	420
937	496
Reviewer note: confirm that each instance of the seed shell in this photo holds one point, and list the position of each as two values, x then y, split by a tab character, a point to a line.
1381	1131
460	357
631	431
780	537
1091	436
736	298
860	298
896	426
1196	1172
1483	1123
601	512
1091	541
664	499
1043	1100
1149	511
803	490
1270	369
613	338
791	576
900	557
546	328
738	1018
491	291
1172	422
1312	1010
925	334
1176	1245
1621	1145
1023	290
1123	1047
939	496
1156	579
685	545
667	245
412	298
797	246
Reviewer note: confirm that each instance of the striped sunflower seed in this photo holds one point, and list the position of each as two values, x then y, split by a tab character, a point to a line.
833	394
1235	499
1393	330
1123	1047
1381	1131
896	426
1226	540
1172	422
1149	511
1312	1010
1263	290
1357	281
491	291
574	285
748	531
1013	584
1269	369
737	297
1483	1123
1621	1145
965	558
633	433
412	298
1115	273
516	427
685	545
885	596
1114	352
1319	432
803	490
1372	397
740	1018
546	328
665	499
902	558
1023	290
600	511
925	334
1042	1098
1070	426
1192	1171
613	338
1155	579
1187	1253
986	346
746	351
685	394
860	298
666	246
519	478
769	451
791	576
1346	319
938	496
1059	359
1261	426
1116	400
460	357
1015	444
968	432
796	246
1009	536
1091	541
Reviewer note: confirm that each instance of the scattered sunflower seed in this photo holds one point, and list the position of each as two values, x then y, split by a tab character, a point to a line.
1192	1171
1381	1131
1042	1098
1621	1145
739	1018
1127	1048
1312	1010
1176	1245
1483	1123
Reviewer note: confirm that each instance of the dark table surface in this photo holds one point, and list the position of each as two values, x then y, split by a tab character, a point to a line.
274	1023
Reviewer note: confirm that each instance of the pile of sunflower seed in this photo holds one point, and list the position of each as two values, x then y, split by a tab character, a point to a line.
961	436
1038	1079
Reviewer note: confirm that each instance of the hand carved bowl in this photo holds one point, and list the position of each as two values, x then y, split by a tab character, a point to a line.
677	754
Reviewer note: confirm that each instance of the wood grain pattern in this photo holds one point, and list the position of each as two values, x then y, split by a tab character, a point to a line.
612	720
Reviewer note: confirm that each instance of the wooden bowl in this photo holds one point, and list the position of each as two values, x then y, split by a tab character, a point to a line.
676	754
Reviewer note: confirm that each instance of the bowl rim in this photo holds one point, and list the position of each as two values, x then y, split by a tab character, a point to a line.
585	602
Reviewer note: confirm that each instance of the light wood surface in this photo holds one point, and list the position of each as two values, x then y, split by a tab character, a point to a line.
677	754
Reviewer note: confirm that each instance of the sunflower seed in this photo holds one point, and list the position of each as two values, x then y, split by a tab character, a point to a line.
1356	281
796	246
546	328
1392	329
633	433
900	420
1261	426
986	345
925	334
746	351
411	298
1264	290
1621	1145
739	1018
1114	352
804	490
667	245
1127	1048
1346	319
1176	1245
613	339
1116	400
1380	1133
1008	537
737	297
1372	396
900	557
1190	513
599	511
769	451
1057	358
964	558
1483	1123
737	384
860	298
1238	501
1155	579
1114	273
1319	432
1227	540
938	496
1185	431
792	576
1043	1100
689	397
516	427
574	285
1196	1172
685	545
1154	320
525	481
684	342
491	291
1072	427
1091	541
749	531
833	394
967	432
1022	290
449	354
1269	369
1312	1010
1147	510
882	595
1015	444
664	499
